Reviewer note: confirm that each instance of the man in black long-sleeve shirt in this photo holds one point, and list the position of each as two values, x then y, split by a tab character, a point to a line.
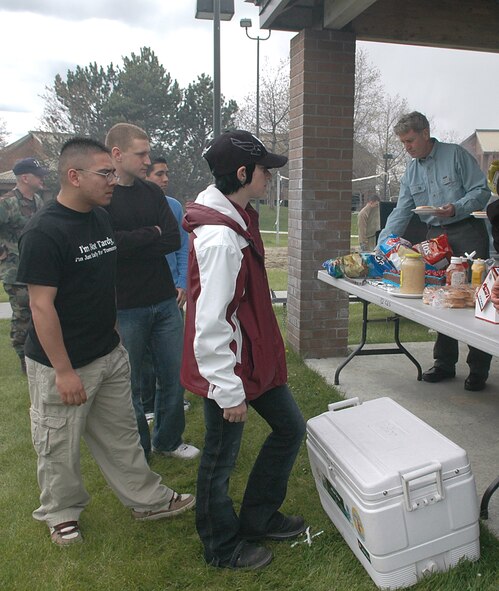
148	314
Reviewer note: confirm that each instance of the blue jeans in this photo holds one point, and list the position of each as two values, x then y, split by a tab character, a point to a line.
220	529
161	328
148	380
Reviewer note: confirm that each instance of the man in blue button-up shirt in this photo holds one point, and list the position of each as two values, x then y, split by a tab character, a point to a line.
447	177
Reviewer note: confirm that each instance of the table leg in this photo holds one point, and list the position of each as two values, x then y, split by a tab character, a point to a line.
484	505
384	351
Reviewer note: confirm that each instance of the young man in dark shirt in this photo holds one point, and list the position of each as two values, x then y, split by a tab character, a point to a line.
78	372
148	314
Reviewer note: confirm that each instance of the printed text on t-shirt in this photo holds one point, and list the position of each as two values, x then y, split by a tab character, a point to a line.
95	249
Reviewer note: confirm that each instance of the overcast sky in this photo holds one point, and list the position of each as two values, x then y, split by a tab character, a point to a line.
458	90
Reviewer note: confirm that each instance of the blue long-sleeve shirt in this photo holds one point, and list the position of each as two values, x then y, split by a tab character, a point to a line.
449	174
178	260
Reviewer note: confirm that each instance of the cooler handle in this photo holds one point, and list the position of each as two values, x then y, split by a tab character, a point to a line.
434	468
343	404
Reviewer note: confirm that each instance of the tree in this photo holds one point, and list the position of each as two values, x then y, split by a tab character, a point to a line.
145	94
367	98
78	104
274	107
273	110
385	143
190	172
3	133
179	122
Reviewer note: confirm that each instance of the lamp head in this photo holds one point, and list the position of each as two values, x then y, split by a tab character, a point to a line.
245	23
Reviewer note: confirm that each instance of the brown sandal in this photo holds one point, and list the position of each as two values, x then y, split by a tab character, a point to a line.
66	533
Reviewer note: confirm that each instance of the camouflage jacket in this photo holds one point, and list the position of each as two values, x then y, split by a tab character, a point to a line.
15	211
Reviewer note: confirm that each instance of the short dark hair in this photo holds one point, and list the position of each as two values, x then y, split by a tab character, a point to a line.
158	160
372	198
229	183
76	150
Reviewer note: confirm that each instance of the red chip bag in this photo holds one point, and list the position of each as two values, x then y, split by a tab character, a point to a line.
436	251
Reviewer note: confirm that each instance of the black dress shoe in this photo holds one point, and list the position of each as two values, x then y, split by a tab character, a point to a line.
475	382
282	528
437	374
249	557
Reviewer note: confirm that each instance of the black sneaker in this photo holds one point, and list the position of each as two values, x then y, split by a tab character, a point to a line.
282	528
249	557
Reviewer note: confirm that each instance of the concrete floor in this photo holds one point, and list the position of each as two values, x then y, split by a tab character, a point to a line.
470	419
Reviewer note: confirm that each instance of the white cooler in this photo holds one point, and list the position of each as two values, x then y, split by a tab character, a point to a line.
400	493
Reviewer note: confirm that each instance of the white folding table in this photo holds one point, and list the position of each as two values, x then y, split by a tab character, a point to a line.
458	323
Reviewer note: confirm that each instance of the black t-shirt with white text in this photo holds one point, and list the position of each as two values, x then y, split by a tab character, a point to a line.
76	253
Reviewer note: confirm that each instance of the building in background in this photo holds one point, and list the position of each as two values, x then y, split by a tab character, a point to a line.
483	144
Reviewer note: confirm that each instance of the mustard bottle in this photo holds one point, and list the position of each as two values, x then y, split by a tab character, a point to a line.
477	272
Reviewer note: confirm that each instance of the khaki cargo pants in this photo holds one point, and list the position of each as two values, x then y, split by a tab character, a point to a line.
108	425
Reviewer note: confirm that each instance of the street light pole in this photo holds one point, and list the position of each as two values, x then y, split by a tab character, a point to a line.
216	68
217	10
246	24
386	157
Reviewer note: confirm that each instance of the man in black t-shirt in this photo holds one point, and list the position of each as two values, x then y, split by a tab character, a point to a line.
78	372
148	313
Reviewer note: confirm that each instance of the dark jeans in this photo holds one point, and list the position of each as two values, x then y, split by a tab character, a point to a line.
218	526
161	328
464	236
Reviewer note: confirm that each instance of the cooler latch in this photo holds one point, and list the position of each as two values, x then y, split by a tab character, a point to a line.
415	499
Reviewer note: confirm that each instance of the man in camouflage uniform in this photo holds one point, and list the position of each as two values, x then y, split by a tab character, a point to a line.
16	208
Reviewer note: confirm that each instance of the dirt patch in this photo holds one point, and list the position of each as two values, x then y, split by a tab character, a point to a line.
276	257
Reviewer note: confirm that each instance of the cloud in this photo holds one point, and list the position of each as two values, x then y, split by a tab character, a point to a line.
149	13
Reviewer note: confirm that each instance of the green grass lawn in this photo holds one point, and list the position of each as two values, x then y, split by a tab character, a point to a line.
268	219
121	555
3	296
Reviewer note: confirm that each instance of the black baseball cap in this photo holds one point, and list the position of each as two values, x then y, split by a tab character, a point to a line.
29	165
233	149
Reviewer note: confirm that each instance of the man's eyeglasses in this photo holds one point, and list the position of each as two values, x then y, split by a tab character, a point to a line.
110	176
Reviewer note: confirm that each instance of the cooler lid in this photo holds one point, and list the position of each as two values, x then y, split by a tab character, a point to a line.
374	442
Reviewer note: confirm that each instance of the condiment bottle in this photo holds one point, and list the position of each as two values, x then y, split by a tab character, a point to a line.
456	272
477	272
412	274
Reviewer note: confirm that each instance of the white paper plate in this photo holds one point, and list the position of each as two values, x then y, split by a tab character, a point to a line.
409	296
427	211
480	215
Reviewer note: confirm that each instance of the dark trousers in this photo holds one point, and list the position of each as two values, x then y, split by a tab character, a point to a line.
464	236
220	529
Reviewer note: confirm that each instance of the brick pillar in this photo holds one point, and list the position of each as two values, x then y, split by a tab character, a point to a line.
320	188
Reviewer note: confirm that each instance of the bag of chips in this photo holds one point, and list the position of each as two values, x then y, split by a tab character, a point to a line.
394	248
377	264
436	251
350	265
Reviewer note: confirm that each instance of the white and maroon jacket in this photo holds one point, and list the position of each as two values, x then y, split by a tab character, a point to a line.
233	349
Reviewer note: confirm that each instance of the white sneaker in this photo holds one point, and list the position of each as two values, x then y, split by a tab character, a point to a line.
183	452
187	405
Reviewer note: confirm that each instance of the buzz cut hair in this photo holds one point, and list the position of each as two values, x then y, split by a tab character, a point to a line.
414	121
122	135
75	152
